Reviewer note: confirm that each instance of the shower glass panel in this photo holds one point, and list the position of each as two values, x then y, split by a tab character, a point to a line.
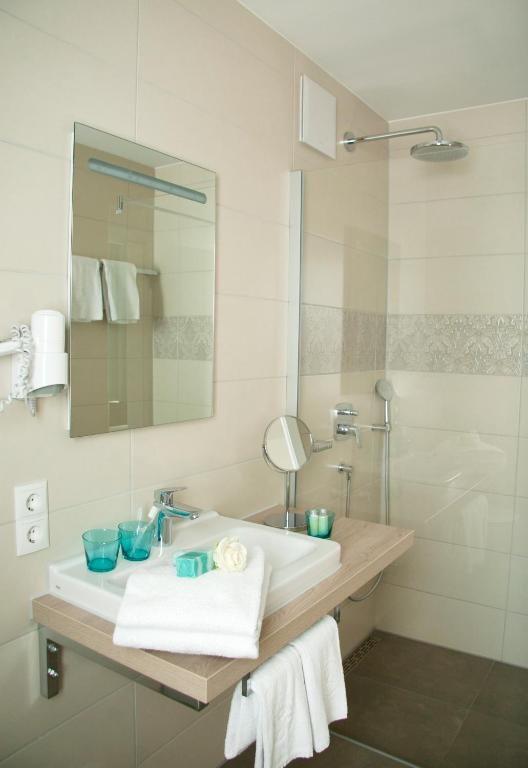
456	359
342	338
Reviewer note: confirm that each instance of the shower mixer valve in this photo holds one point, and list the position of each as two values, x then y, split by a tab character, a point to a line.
344	427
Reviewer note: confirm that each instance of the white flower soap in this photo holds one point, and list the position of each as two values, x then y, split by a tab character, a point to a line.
230	555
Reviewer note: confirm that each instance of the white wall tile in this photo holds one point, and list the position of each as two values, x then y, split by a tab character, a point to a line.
181	54
523	426
188	293
50	453
241	413
199	752
469	461
516	640
160	720
518	592
28	574
250	340
348	204
25	714
520	528
444	513
94	27
237	490
463	285
245	29
86	739
466	124
35	211
61	84
252	255
250	179
493	166
473	575
337	276
469	403
469	226
435	619
522	474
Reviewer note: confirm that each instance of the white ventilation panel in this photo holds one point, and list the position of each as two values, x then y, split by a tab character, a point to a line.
317	117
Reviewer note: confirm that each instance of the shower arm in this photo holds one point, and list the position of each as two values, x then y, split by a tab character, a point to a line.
349	139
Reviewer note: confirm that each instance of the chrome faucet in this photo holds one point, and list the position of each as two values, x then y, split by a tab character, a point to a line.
165	510
349	430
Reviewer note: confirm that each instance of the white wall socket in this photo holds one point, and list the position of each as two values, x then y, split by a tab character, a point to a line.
31	513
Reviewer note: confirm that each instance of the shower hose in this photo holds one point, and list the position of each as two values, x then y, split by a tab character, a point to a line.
379	577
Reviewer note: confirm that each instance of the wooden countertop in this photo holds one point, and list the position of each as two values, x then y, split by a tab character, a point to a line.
366	549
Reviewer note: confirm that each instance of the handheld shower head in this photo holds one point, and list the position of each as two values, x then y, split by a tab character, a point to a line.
385	390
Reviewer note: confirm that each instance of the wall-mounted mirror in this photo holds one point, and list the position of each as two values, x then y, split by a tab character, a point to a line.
142	277
287	447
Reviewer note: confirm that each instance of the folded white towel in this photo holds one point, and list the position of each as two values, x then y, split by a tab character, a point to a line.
87	294
121	293
320	655
217	614
275	714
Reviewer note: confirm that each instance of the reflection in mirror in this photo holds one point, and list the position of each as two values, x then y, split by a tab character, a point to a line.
142	286
287	447
287	444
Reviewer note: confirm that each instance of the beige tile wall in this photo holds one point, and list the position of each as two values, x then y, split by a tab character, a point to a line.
457	268
210	83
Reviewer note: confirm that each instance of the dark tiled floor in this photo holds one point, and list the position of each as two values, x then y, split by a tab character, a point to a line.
486	742
438	708
417	728
427	669
505	694
340	754
430	706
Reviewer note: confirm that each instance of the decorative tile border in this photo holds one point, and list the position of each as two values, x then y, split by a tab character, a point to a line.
188	337
335	340
475	344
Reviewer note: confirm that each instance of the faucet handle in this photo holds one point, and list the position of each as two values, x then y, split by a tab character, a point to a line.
345	409
165	496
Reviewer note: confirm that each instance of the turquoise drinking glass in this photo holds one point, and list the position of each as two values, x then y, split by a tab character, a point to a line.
101	547
319	522
136	539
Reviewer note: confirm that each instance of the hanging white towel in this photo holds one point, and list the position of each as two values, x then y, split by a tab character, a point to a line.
275	714
320	655
87	294
121	293
219	613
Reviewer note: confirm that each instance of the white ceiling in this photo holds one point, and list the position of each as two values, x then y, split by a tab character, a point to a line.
411	57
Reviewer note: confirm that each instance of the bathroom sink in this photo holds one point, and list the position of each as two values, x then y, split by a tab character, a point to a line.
298	563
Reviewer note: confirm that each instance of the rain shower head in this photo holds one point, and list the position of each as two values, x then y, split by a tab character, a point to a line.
436	151
385	390
439	151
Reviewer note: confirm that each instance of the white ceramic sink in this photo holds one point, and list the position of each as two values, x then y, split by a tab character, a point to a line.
298	562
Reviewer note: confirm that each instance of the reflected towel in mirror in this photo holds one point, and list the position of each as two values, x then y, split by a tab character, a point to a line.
121	295
87	295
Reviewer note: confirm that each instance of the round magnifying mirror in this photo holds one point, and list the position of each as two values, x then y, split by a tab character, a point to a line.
287	444
287	447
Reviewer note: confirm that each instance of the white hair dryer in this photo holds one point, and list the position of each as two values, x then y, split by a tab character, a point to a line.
40	364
